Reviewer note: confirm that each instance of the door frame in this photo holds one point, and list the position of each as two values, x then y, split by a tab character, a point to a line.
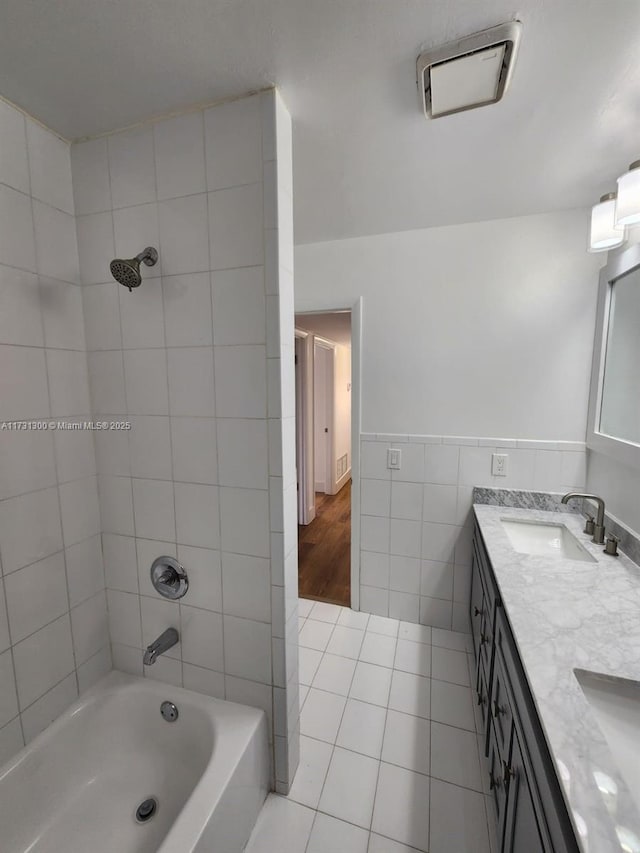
304	426
313	306
329	476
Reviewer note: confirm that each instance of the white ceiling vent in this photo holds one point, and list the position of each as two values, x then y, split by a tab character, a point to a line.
468	73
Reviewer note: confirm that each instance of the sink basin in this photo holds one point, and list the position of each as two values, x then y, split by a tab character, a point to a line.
616	704
545	539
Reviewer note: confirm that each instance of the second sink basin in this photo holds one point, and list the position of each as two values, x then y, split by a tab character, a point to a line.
545	539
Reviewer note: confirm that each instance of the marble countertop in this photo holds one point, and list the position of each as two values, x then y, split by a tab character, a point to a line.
568	615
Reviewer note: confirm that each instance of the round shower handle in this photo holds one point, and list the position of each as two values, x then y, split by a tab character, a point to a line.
169	577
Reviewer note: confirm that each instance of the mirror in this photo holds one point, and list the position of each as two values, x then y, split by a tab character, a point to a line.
620	400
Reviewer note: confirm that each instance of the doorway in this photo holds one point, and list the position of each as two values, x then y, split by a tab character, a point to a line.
324	455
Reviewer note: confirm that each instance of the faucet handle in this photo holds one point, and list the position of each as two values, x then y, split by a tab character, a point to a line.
611	547
589	525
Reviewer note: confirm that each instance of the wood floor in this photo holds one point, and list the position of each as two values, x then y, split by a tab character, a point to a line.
324	550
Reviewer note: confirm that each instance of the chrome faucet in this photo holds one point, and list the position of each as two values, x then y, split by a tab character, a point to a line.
164	642
598	527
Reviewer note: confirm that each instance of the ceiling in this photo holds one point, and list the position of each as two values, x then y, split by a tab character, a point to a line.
334	325
366	160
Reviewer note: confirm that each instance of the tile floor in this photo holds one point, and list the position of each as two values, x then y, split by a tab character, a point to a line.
390	757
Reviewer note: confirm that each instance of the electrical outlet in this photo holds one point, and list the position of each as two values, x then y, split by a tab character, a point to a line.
394	458
499	464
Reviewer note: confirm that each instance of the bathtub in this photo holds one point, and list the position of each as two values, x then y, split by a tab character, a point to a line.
77	786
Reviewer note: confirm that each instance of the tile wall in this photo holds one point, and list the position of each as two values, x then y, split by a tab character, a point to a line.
416	523
54	640
193	361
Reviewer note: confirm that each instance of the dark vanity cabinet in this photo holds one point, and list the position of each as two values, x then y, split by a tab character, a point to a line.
530	812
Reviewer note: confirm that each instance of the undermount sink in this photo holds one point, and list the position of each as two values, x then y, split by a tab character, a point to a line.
616	705
545	539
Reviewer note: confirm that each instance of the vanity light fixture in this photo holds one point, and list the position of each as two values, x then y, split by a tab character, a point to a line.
604	234
628	203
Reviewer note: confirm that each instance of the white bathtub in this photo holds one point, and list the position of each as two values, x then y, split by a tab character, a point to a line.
76	787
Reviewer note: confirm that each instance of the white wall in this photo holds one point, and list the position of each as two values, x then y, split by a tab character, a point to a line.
54	639
199	359
481	329
476	338
342	406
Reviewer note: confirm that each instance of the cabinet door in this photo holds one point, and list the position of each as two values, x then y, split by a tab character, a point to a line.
500	710
476	610
497	785
525	830
482	699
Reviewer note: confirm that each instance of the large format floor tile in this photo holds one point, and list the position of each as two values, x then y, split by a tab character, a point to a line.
389	759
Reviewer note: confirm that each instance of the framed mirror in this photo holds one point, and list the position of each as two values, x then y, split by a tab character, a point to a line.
614	405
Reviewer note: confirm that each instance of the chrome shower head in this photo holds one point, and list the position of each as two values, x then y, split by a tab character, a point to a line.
127	271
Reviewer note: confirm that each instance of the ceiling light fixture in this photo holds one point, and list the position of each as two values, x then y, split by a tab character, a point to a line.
604	234
472	72
628	203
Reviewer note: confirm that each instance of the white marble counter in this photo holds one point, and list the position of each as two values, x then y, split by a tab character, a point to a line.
568	615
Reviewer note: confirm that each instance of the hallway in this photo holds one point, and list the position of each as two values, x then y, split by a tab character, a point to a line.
324	559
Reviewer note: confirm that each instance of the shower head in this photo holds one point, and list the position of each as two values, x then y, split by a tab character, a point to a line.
127	271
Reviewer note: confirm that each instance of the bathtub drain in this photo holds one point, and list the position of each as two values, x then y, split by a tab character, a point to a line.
146	809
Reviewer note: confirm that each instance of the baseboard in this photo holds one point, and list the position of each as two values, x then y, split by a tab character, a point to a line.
343	480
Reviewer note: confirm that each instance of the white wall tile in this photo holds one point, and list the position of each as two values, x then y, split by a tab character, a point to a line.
197	515
112	449
436	579
102	317
153	507
42	660
405	538
19	518
374	569
80	510
187	310
75	456
36	595
106	379
205	576
440	503
20	314
374	533
244	521
184	235
85	573
203	680
191	385
406	501
90	168
62	314
373	460
201	638
8	696
131	166
404	605
246	582
240	382
236	227
89	624
247	649
193	444
95	247
56	245
158	614
134	229
17	243
243	453
375	497
404	574
145	374
179	149
441	464
116	505
238	306
5	641
92	670
233	143
373	600
438	541
14	165
50	167
150	447
46	709
27	462
124	621
68	382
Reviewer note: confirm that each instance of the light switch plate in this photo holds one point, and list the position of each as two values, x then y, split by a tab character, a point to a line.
499	464
394	458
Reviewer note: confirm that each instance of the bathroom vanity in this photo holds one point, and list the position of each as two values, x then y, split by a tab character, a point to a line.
552	615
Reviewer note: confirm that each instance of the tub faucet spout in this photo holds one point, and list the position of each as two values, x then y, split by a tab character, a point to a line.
163	643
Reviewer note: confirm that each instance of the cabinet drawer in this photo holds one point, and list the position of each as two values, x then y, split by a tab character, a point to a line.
486	575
